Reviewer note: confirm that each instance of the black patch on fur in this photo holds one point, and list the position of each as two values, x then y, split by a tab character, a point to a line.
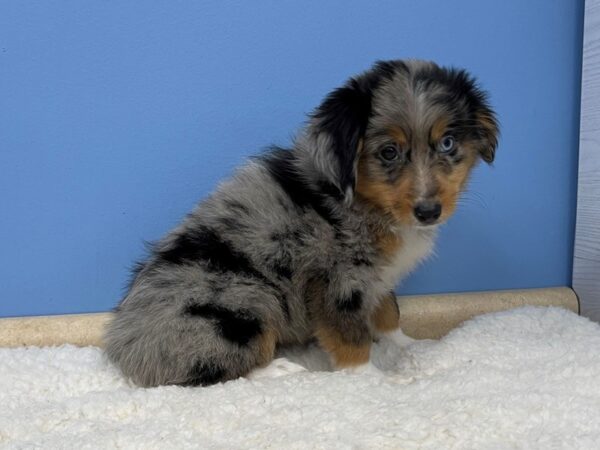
281	166
361	260
351	303
238	326
204	244
277	236
205	373
297	236
282	270
330	190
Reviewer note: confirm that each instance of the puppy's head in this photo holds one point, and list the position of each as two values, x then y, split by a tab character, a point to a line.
404	137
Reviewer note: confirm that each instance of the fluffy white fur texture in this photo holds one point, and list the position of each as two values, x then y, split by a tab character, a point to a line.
522	379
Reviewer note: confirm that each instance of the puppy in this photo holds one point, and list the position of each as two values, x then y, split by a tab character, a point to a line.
308	242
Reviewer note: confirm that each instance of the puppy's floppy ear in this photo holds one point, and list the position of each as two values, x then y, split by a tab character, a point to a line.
489	131
482	120
340	122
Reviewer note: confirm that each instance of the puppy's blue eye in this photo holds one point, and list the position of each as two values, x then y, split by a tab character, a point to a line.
446	144
389	153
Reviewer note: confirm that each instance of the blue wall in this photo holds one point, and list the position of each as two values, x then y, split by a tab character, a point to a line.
116	117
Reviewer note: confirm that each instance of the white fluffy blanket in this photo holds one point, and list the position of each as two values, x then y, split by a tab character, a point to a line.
523	379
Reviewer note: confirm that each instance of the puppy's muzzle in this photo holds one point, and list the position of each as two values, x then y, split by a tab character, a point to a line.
427	213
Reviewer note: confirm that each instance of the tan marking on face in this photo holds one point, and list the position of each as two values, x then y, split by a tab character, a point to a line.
395	199
451	185
438	130
343	353
398	134
386	316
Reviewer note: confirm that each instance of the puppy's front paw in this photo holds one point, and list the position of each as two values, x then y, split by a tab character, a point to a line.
277	368
399	338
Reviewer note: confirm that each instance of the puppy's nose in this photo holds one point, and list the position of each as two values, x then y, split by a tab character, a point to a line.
428	212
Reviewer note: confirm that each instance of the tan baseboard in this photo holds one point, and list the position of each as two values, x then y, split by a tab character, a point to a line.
422	316
76	329
433	316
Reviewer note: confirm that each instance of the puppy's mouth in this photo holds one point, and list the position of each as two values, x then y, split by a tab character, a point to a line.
431	226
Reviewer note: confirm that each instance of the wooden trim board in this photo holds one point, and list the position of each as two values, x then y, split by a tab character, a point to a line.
433	316
422	317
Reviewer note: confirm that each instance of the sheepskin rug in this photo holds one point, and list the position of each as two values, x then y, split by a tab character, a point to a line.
522	379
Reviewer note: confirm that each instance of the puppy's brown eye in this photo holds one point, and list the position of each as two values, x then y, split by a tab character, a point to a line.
447	144
389	153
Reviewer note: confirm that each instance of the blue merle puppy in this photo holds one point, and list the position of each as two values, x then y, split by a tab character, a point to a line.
308	242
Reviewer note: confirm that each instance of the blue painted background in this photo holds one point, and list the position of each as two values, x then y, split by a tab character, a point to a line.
116	117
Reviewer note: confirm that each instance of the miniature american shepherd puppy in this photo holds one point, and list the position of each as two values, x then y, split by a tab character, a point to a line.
307	243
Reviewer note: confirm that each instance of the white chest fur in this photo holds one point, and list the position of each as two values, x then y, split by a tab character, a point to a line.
417	245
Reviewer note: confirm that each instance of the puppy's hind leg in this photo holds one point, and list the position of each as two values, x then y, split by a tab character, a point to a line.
187	340
240	342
